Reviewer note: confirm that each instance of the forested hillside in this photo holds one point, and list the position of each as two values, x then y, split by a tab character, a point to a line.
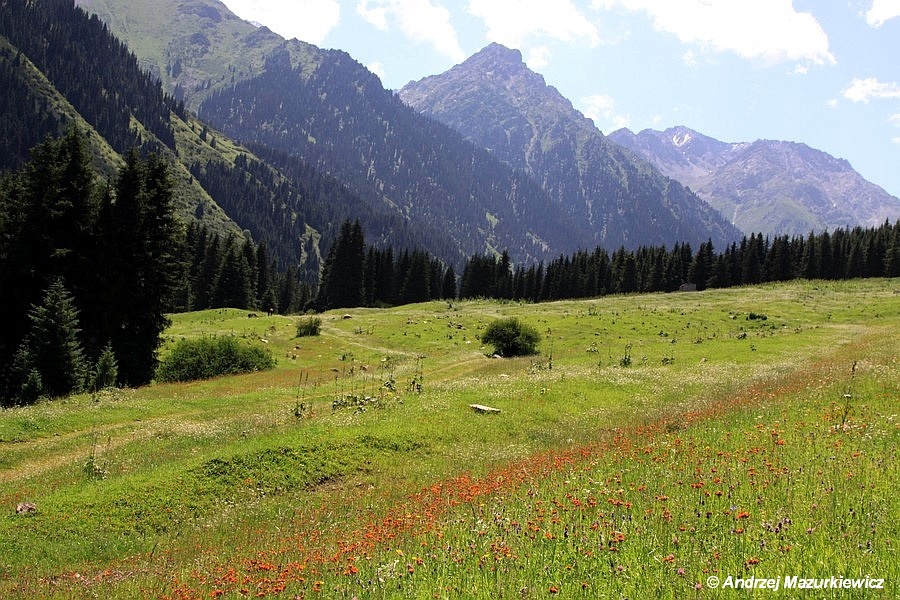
82	60
341	120
326	109
61	67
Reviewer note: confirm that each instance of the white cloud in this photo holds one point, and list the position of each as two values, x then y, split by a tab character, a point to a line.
422	21
863	90
307	20
601	109
769	31
881	11
690	59
377	68
512	22
538	58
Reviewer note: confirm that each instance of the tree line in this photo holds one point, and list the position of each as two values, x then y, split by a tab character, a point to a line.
355	274
86	266
228	271
841	254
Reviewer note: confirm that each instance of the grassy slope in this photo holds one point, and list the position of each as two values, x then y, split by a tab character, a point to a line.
184	480
215	48
104	159
186	189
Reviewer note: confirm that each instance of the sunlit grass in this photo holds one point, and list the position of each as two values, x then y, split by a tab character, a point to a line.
257	482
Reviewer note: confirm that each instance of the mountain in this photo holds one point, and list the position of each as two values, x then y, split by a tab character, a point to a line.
494	100
766	186
60	67
322	107
195	47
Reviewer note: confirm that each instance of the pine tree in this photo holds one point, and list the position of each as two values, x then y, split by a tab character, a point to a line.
448	286
417	281
892	254
52	349
701	267
48	211
234	281
343	276
142	271
106	374
289	297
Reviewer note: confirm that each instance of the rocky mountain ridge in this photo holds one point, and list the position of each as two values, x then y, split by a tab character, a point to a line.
494	100
768	186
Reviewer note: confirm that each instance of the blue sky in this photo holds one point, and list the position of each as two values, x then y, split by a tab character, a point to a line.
822	72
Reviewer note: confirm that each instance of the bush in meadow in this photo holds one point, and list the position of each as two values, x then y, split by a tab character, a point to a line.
309	326
511	337
209	357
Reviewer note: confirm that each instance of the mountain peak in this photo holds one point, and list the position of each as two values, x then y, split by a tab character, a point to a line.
498	103
499	53
493	61
495	74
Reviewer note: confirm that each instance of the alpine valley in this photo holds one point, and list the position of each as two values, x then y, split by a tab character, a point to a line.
280	141
287	100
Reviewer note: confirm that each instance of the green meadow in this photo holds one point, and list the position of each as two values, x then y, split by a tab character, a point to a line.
668	445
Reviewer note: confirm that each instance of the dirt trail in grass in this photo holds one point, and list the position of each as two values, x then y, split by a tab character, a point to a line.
307	551
55	451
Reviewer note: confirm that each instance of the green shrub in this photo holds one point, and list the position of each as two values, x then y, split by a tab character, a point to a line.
208	357
510	337
107	371
309	326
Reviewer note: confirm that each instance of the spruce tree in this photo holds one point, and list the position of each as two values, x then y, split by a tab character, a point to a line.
137	225
52	349
416	284
892	253
448	286
343	276
106	374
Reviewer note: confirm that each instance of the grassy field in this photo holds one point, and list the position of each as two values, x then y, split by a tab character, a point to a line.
655	442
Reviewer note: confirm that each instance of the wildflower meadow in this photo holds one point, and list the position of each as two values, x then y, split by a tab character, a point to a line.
727	443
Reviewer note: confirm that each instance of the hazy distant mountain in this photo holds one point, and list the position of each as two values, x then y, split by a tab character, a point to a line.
325	108
765	186
497	102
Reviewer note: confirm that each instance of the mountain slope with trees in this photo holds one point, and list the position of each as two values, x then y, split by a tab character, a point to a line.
61	67
497	102
767	186
326	109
